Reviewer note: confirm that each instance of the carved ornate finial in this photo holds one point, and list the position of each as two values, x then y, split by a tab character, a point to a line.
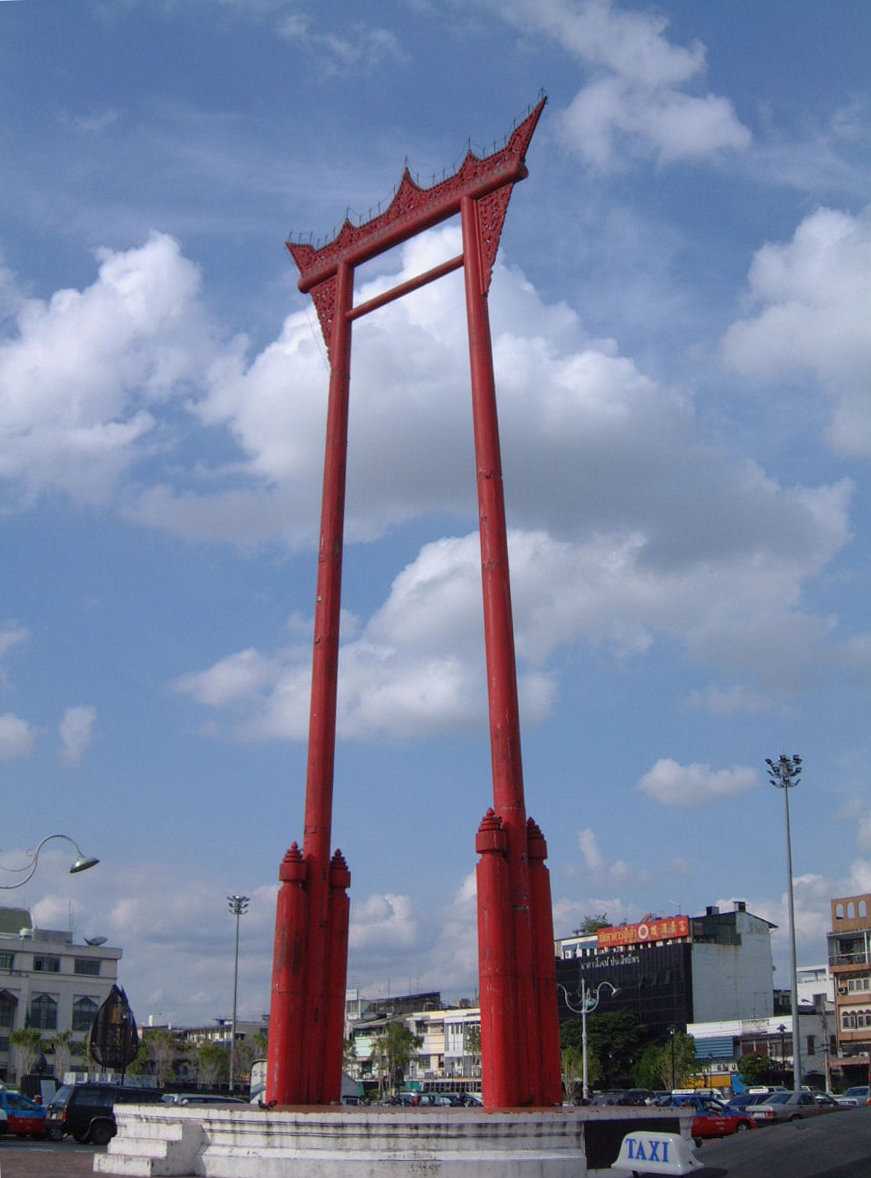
340	876
294	868
491	834
536	846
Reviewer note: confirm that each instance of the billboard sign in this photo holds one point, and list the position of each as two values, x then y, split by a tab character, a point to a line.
665	929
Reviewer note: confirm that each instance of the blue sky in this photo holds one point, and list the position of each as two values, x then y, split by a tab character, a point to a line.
680	318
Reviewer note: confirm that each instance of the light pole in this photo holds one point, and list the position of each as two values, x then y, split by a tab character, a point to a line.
237	906
784	774
672	1031
81	863
589	1002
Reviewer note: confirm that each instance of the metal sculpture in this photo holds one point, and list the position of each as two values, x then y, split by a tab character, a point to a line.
114	1037
519	1026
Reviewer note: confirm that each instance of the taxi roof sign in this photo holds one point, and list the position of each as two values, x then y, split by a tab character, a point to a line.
646	1152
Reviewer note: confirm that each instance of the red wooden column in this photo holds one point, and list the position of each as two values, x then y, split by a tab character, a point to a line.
507	767
287	1006
325	667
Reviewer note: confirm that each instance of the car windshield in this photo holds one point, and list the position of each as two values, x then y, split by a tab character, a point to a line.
779	1098
61	1096
862	1090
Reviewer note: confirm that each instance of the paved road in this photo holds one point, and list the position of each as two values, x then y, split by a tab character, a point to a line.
20	1158
837	1145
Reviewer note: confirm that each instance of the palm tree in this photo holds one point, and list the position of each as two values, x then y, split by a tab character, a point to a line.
27	1042
61	1043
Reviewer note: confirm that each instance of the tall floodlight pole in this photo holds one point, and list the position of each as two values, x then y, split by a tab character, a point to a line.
237	906
784	774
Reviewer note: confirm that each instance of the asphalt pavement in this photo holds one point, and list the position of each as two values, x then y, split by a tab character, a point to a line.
833	1145
20	1158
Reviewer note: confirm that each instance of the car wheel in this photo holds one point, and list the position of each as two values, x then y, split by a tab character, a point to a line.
101	1134
55	1133
795	1117
742	1128
82	1137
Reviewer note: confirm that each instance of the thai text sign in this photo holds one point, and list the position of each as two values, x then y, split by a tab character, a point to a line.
653	930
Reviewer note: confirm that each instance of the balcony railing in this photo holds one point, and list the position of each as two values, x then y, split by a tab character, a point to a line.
860	958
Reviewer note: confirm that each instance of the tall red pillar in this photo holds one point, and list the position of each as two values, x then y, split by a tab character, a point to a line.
287	1006
545	1038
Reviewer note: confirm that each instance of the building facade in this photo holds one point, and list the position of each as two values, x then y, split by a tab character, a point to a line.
675	970
50	982
850	964
720	1044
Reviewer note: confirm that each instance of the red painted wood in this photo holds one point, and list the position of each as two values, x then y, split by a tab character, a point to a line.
287	1007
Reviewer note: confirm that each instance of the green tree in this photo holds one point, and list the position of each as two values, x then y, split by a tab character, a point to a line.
570	1039
394	1049
592	924
616	1039
754	1068
472	1043
139	1065
213	1063
681	1053
349	1055
28	1043
648	1067
164	1048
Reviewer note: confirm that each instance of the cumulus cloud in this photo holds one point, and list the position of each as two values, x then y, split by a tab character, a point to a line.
674	784
76	731
17	737
590	850
83	373
638	101
810	299
730	701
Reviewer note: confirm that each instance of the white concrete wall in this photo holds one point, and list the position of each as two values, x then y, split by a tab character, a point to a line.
734	981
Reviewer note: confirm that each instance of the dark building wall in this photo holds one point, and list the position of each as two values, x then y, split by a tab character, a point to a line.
655	982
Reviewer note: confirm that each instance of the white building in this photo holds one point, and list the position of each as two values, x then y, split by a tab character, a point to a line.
720	1044
814	980
48	981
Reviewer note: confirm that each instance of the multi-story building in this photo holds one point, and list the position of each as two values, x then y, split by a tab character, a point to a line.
49	981
850	963
720	1044
447	1049
675	970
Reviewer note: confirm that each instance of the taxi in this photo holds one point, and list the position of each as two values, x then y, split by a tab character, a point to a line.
24	1117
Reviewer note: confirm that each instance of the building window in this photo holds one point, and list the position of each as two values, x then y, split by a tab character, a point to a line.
839	912
7	1009
84	1011
811	1045
7	960
4	1042
859	985
863	908
44	964
43	1012
88	965
851	911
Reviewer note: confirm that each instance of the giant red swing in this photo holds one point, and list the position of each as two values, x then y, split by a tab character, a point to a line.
519	1026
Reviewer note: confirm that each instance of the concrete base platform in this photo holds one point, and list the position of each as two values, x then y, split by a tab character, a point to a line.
234	1142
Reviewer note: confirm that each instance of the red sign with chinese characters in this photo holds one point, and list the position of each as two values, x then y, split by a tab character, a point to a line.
651	930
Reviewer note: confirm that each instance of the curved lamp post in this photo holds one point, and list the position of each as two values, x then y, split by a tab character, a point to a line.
237	906
589	1001
784	774
81	863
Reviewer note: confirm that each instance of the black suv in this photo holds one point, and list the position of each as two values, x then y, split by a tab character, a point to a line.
86	1111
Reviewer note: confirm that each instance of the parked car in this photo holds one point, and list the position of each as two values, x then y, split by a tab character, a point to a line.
827	1102
861	1093
745	1101
846	1101
714	1120
203	1098
86	1111
785	1106
22	1117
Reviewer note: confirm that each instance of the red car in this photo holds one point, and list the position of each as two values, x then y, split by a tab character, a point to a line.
24	1117
714	1121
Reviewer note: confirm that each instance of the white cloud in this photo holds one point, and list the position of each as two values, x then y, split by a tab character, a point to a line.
360	46
637	102
11	635
383	921
83	374
76	732
674	784
810	299
730	701
590	849
17	737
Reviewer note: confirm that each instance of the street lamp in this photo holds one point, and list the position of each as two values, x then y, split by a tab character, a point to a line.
784	774
782	1029
81	863
237	906
672	1031
589	1001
